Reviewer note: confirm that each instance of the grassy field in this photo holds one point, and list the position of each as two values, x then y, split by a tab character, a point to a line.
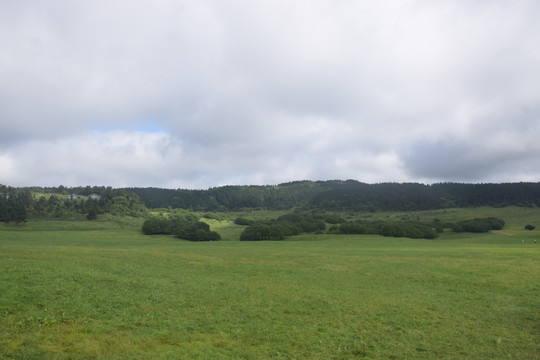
102	290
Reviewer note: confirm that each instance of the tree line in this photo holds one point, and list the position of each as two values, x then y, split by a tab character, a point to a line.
17	204
340	195
335	195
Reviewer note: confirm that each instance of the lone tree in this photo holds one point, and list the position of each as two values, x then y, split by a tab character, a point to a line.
530	227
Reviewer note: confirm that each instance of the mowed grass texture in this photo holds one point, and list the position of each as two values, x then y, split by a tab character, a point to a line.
117	294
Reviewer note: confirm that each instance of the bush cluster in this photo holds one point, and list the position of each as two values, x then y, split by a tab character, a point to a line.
478	225
186	227
278	229
410	229
243	221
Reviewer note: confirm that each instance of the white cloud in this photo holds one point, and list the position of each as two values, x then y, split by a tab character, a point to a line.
113	158
266	92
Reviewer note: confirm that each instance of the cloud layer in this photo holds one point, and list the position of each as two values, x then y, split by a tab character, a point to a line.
199	94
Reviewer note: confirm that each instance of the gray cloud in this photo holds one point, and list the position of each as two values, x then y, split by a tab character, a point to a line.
198	94
470	162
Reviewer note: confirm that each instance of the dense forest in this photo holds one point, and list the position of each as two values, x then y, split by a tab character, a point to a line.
16	204
344	195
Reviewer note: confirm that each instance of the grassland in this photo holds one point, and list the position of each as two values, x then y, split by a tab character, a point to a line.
102	290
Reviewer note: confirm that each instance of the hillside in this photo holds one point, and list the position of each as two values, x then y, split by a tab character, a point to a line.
16	204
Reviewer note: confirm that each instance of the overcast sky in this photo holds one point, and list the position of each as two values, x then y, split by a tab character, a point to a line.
197	94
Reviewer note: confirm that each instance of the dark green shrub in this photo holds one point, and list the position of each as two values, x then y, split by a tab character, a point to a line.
256	232
156	225
410	229
183	227
478	225
243	221
197	231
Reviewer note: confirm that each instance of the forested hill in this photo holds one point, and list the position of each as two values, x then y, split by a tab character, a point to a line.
344	195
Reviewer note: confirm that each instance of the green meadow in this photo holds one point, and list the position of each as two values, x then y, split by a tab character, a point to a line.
103	290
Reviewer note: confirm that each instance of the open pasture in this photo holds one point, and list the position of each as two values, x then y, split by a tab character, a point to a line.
113	293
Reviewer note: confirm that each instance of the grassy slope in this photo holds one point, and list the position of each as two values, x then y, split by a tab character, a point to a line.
114	293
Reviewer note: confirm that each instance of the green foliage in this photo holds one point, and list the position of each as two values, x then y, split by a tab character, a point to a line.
156	225
410	229
185	226
262	231
438	225
16	204
243	221
530	227
330	196
478	225
92	214
285	225
344	195
13	203
195	231
332	219
303	222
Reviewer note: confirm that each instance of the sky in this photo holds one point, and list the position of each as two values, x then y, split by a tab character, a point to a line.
199	94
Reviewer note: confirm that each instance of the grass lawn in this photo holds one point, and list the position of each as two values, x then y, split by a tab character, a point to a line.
109	292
